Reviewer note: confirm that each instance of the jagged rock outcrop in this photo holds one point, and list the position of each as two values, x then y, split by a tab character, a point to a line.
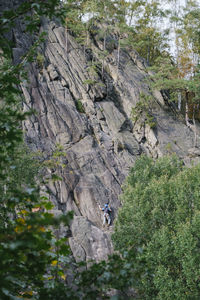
100	141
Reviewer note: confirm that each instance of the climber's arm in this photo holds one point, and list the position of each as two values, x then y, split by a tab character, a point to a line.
102	209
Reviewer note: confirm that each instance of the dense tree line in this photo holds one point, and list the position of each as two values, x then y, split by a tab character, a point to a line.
158	226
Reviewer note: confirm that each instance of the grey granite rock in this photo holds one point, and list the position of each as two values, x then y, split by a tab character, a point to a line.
88	241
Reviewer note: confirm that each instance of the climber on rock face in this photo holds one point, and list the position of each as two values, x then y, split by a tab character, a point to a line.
106	214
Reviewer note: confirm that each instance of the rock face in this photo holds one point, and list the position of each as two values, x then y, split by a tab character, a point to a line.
89	115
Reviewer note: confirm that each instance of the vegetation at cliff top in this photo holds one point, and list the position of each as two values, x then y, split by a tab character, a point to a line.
166	35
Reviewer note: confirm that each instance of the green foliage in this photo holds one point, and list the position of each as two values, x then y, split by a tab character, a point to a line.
40	60
89	81
79	106
92	68
169	148
106	276
142	111
27	242
56	160
158	226
191	23
26	239
166	77
145	36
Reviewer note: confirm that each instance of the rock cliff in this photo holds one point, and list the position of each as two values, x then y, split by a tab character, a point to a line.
89	115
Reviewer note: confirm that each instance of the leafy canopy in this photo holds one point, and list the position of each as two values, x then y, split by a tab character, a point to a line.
158	226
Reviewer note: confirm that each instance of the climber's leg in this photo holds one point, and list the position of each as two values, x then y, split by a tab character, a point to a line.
109	219
104	219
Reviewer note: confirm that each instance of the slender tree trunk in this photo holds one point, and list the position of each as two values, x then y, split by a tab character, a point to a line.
192	127
131	18
87	37
84	47
179	101
187	110
148	51
194	123
5	188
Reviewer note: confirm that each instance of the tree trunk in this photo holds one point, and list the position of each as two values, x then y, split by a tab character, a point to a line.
148	52
191	126
194	123
186	109
179	101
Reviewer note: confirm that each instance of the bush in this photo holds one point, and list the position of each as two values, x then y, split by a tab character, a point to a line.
80	107
159	227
